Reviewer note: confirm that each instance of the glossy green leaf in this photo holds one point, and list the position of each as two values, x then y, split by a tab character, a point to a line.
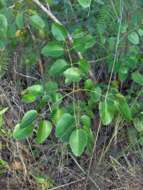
30	94
134	38
44	131
85	120
78	141
28	118
137	77
53	49
57	114
22	133
85	3
72	74
58	67
89	85
19	20
106	113
123	107
59	32
37	22
64	127
36	90
3	26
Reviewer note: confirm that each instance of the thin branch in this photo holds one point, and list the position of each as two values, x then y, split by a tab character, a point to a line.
55	19
47	11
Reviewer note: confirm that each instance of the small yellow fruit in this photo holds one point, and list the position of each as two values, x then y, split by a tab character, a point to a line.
18	33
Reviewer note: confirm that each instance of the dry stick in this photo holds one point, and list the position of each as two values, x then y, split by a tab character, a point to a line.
93	151
54	18
108	88
116	49
47	11
89	177
68	184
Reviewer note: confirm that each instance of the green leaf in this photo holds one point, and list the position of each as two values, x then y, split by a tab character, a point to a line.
84	66
85	120
59	32
58	67
56	115
2	4
123	107
44	131
37	22
30	94
3	26
138	123
19	20
78	141
28	118
65	127
137	77
85	3
134	38
36	90
22	133
53	49
100	2
84	43
51	87
72	74
140	32
95	94
2	111
89	85
106	113
123	72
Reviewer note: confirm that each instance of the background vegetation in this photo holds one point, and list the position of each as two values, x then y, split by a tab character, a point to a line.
71	98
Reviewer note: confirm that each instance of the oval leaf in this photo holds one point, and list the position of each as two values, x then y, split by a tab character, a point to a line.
85	3
28	118
58	67
19	20
134	38
30	94
137	77
44	131
53	49
3	26
72	74
59	32
22	133
124	107
37	22
64	127
78	141
106	113
86	121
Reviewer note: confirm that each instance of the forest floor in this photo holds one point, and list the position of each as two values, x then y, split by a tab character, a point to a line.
27	166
